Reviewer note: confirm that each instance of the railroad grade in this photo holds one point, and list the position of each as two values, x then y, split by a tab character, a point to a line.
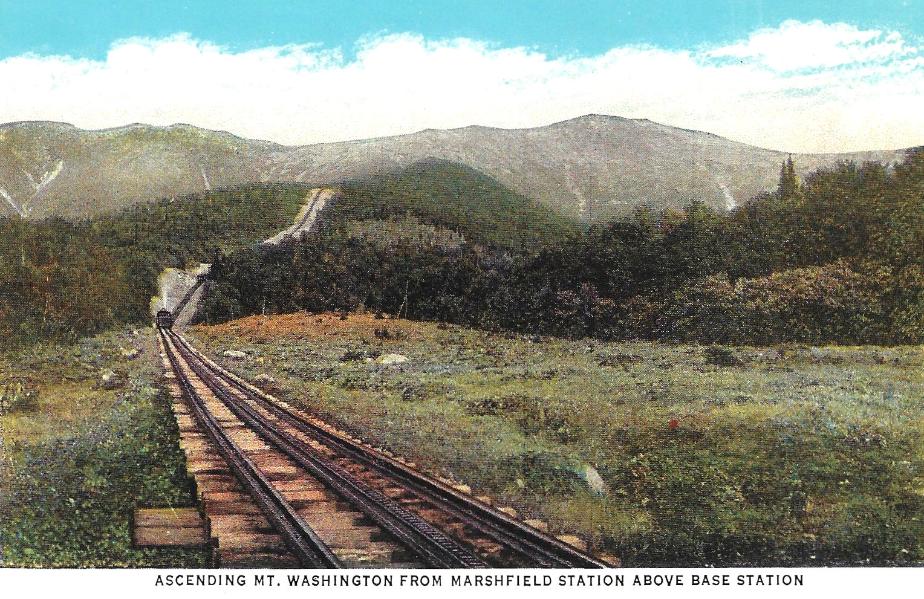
433	522
318	529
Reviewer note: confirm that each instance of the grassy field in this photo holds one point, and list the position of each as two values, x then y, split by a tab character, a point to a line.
662	454
78	454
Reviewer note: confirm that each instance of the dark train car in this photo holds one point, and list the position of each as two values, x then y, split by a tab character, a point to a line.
164	319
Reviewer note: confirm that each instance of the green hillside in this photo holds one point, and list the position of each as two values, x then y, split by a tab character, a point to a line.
61	280
455	197
833	259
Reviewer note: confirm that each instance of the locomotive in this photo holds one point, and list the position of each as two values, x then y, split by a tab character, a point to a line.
164	319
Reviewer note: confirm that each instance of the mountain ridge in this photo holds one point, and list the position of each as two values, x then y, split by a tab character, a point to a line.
590	168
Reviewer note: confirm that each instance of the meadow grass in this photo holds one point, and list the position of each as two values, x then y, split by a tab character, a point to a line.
708	456
78	459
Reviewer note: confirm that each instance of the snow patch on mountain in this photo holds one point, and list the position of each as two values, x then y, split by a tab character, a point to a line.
9	199
205	179
730	202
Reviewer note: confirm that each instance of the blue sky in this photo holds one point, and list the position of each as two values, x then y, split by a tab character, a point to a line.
86	28
795	76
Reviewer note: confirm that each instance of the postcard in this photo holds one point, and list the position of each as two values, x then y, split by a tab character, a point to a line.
441	298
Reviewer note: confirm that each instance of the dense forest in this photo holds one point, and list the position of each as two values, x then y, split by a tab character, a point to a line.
60	280
457	198
838	257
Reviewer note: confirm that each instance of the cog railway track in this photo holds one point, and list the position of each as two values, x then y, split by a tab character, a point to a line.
319	498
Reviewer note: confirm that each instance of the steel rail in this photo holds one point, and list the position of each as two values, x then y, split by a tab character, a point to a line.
533	545
435	547
298	536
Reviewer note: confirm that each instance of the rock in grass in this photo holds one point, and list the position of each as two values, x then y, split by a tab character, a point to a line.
391	359
263	380
266	382
235	354
771	355
110	380
131	354
594	481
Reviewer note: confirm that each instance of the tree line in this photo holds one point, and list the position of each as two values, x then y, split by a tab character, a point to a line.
61	280
838	257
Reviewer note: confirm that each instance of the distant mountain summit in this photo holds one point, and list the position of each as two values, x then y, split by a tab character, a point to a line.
590	168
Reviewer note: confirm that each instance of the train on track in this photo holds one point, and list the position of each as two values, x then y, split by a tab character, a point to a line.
164	319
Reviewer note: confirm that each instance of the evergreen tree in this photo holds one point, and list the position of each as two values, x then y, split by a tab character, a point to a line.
788	185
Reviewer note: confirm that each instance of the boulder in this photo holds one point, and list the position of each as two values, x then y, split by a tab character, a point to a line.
109	379
266	382
235	354
264	379
131	353
594	481
391	359
771	355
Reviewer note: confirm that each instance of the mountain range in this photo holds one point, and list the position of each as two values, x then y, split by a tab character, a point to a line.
590	168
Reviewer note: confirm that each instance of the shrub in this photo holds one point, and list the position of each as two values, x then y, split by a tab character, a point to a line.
18	397
722	356
838	302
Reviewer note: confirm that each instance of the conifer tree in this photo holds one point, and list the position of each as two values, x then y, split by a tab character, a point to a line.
788	184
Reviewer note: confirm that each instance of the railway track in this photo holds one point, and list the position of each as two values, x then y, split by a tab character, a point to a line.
404	518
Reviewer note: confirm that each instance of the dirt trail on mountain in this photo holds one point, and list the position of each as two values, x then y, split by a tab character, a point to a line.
314	202
183	291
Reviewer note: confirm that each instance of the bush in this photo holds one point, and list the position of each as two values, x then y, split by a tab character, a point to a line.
722	356
18	397
548	473
69	501
866	529
839	302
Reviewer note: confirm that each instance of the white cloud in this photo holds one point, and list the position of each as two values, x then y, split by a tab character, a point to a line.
800	87
795	45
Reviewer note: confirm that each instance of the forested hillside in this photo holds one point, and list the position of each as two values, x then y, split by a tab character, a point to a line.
61	280
455	197
838	257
